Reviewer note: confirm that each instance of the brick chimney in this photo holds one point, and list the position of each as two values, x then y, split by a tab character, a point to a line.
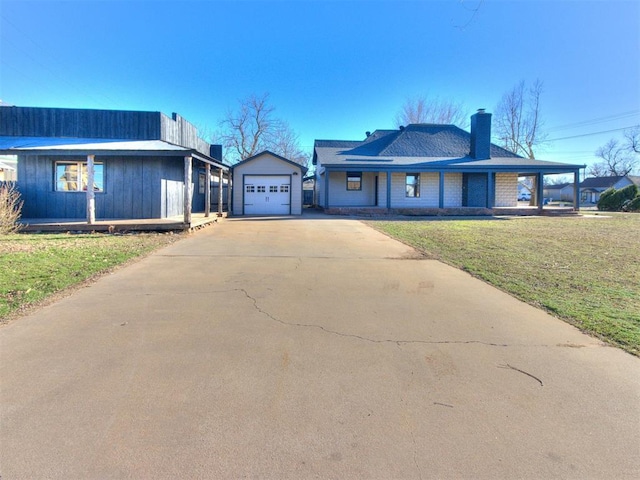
480	135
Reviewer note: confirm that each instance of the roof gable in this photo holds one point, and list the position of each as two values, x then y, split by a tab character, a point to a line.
279	157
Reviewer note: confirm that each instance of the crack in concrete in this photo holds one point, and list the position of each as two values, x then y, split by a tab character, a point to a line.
523	372
360	337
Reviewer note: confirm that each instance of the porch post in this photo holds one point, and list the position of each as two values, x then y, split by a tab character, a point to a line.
441	191
188	188
207	189
91	194
540	190
327	174
576	190
491	190
220	197
389	189
229	191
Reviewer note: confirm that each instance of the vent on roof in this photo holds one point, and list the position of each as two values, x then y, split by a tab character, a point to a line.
401	127
368	134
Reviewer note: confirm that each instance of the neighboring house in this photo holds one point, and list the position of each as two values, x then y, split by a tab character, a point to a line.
8	168
591	188
267	184
108	164
425	168
562	192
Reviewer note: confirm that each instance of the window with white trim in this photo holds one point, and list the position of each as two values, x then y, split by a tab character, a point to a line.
73	176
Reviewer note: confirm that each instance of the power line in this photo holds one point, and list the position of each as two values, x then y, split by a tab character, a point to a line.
594	121
591	134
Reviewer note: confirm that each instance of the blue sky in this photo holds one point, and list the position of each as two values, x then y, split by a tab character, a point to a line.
333	69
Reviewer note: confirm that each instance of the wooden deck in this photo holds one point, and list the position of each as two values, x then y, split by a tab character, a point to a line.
172	224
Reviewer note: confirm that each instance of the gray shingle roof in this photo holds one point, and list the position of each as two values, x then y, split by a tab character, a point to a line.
422	140
416	145
600	182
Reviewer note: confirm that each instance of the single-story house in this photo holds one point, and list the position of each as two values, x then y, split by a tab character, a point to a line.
108	164
591	188
562	192
267	184
426	169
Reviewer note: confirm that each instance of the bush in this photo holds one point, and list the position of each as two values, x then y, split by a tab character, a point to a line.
10	208
606	200
613	200
634	205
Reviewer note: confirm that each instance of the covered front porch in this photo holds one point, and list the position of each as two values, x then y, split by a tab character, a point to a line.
420	191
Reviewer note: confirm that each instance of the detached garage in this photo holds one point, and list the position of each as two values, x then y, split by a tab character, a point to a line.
267	184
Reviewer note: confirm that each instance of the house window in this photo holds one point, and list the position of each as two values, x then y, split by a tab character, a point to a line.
284	188
412	184
250	189
262	189
354	180
73	177
273	189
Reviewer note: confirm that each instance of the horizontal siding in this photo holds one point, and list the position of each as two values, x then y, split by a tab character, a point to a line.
429	191
340	196
267	165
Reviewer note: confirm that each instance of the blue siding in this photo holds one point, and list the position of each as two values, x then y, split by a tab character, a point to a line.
134	187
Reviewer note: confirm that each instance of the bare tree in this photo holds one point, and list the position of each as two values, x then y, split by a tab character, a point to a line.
517	120
253	128
431	110
619	158
245	132
285	142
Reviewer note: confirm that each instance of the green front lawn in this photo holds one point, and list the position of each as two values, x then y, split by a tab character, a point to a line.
585	270
34	267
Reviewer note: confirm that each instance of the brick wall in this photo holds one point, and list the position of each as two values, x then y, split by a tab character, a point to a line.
429	187
506	190
452	190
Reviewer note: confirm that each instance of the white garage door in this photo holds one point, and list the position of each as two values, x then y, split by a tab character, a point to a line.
267	195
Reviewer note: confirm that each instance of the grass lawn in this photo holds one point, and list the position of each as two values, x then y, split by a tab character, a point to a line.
585	270
36	266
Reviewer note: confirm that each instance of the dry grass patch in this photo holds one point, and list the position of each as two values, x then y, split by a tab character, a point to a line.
33	267
585	270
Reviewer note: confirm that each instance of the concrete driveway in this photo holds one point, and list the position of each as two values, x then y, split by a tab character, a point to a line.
308	348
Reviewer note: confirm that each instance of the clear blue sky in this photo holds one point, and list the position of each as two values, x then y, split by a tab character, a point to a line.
333	69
